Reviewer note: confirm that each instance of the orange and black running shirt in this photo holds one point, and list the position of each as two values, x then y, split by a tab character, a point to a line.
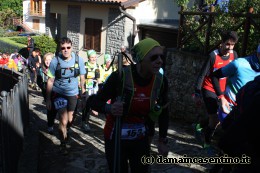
219	62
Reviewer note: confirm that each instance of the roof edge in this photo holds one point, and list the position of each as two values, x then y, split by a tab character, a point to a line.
130	3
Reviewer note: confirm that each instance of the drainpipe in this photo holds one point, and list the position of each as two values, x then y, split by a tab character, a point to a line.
134	26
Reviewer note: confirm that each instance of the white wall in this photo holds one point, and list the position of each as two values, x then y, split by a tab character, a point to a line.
150	10
28	20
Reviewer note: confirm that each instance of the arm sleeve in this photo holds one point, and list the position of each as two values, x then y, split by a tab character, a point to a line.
215	81
203	72
108	91
226	71
163	120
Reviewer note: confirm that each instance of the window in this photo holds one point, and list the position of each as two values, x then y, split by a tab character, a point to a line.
92	37
36	6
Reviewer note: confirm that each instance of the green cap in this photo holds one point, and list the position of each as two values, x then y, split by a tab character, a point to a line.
107	58
143	47
91	52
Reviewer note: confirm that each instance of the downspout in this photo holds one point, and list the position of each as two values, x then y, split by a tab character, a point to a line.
134	26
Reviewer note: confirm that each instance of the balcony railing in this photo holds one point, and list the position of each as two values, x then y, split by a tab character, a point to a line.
39	13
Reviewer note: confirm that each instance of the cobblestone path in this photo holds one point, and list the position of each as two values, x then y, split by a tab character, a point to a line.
86	155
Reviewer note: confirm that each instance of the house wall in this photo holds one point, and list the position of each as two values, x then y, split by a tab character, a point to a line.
28	20
150	10
94	11
112	35
87	11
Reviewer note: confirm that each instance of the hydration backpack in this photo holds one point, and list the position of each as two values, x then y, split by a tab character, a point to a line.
76	69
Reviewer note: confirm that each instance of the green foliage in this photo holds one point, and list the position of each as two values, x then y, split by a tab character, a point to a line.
45	43
221	22
15	5
11	34
183	3
10	45
10	9
6	17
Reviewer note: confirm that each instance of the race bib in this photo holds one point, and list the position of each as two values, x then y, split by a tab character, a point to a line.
132	131
105	76
60	103
90	83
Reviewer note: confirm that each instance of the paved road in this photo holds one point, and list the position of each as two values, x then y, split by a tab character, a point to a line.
41	150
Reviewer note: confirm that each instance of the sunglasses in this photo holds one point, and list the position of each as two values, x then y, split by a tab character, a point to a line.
63	48
155	57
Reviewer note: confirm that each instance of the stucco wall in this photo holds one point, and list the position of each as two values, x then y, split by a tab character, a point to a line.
181	69
153	9
29	19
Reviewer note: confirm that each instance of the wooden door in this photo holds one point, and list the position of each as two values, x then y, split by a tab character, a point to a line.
36	24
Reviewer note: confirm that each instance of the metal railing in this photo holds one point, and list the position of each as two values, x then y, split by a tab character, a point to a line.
14	118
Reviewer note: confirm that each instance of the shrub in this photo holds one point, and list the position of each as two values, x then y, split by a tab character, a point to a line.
45	43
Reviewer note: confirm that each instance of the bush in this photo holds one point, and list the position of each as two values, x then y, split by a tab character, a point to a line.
44	43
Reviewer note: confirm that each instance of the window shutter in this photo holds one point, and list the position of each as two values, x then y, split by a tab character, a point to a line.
92	37
97	35
40	7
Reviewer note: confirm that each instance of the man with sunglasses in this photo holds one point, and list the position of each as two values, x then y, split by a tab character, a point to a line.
144	95
62	86
203	86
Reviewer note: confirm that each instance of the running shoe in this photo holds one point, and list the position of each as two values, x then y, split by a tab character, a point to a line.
198	133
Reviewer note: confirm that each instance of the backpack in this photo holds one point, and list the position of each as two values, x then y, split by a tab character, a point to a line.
59	68
96	72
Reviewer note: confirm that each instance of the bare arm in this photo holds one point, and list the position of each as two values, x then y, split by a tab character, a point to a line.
48	92
82	83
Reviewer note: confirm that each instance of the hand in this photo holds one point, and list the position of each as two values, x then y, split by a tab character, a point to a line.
225	105
117	108
163	149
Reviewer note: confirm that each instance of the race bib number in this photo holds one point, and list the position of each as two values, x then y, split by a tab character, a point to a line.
132	131
60	103
105	76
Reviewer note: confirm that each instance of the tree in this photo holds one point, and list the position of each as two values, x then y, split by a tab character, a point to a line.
15	5
6	16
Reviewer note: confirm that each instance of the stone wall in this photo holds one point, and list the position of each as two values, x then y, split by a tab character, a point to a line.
181	69
74	13
115	31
